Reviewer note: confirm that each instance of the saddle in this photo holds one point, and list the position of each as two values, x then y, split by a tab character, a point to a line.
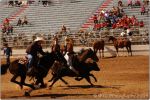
121	41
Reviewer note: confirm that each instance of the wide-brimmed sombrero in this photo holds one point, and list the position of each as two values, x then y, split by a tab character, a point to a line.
39	39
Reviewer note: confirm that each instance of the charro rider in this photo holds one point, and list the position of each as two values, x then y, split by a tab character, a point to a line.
32	52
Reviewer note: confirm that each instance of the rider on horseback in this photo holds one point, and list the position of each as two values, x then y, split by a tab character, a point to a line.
32	53
69	57
56	49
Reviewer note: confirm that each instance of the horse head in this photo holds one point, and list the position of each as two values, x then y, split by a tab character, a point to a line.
111	38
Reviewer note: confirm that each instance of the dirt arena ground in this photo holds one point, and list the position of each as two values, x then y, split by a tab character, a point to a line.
120	77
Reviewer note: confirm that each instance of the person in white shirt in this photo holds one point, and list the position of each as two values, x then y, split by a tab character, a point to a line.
123	34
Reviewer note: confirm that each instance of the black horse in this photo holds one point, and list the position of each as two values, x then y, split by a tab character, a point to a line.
17	69
84	63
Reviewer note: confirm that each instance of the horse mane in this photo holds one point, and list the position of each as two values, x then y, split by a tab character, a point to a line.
46	56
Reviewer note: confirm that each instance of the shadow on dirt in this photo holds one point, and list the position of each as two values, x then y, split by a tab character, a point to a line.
60	95
72	87
89	86
51	95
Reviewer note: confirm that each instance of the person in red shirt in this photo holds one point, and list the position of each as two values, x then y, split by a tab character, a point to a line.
95	19
142	10
6	22
114	25
137	3
133	20
141	24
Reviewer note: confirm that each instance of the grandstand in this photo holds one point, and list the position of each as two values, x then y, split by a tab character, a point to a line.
76	15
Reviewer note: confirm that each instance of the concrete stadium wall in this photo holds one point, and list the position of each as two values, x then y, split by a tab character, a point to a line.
109	50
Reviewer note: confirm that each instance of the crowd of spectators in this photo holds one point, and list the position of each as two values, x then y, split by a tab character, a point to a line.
22	21
7	28
116	17
17	3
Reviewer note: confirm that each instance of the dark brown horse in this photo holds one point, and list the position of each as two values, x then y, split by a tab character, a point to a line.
121	43
84	63
19	69
99	46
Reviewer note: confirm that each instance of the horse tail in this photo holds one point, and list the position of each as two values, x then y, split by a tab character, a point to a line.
4	68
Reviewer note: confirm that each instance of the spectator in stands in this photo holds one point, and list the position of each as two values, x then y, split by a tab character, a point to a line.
63	29
6	22
3	29
129	3
146	2
119	12
134	20
25	20
120	3
147	10
32	52
9	29
82	39
7	53
19	22
11	2
115	11
142	10
95	19
137	3
141	24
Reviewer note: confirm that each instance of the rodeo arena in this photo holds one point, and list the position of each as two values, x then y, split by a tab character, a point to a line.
74	49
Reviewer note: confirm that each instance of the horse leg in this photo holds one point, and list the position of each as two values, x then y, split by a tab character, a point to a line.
127	50
130	50
79	79
88	79
100	53
25	84
13	79
123	52
51	79
54	81
93	77
117	51
63	81
42	83
22	81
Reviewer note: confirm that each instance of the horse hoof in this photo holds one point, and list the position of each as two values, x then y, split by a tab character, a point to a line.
50	87
21	87
92	85
26	94
32	87
43	86
77	79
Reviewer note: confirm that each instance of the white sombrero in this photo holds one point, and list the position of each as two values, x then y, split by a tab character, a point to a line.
39	39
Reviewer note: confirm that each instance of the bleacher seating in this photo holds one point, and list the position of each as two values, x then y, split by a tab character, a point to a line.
48	20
